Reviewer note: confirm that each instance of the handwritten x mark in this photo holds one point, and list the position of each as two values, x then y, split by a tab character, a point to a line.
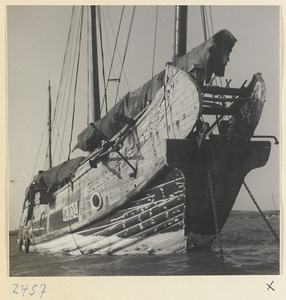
269	286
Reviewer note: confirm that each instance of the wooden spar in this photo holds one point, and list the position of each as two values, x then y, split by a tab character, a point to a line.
95	104
219	110
50	126
216	90
224	100
180	40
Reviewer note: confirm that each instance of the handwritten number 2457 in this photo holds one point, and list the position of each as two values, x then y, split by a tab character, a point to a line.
24	289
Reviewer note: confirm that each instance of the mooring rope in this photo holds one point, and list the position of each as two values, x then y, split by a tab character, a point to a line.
260	211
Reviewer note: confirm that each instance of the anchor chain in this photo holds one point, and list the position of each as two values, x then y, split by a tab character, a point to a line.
260	211
215	217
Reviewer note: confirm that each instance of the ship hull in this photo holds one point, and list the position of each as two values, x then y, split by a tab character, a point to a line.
120	171
175	213
155	187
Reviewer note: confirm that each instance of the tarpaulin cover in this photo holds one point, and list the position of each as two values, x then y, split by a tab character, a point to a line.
56	175
130	106
211	56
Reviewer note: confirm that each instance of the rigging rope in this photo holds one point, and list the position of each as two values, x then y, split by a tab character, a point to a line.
107	40
114	50
70	72
75	87
37	156
119	56
61	150
154	52
211	19
203	21
63	66
69	59
55	115
207	23
67	78
102	55
125	52
74	65
88	56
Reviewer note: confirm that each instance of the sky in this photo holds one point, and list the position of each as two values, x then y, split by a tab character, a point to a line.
37	37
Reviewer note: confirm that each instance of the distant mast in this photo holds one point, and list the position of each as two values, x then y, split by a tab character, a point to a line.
95	104
50	126
274	201
180	40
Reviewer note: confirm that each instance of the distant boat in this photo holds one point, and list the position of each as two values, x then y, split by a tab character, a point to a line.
164	166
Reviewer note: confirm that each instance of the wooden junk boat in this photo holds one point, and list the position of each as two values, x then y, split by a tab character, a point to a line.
164	166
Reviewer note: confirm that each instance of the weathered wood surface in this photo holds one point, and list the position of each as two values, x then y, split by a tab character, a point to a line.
156	145
147	223
172	114
228	161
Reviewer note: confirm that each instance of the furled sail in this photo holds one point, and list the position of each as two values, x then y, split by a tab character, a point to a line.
209	58
129	106
56	175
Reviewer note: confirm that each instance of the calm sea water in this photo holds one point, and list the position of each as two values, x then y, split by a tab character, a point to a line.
249	248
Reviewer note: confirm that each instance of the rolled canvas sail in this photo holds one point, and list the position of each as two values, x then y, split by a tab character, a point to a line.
210	57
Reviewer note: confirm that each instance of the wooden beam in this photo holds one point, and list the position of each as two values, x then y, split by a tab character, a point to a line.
219	110
216	90
225	100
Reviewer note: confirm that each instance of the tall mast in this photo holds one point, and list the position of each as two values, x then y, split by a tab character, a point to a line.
95	105
180	40
50	126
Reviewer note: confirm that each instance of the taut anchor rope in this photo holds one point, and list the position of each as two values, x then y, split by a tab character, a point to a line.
260	211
